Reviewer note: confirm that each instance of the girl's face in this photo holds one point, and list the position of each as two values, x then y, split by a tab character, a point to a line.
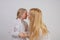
24	15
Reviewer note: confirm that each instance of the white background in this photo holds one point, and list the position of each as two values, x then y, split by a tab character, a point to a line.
50	10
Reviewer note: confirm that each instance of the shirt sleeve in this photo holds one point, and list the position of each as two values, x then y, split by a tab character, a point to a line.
15	30
22	28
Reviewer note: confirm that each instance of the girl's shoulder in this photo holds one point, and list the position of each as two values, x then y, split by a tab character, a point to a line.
15	22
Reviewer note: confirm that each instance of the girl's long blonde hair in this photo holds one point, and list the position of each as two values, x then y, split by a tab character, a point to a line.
36	24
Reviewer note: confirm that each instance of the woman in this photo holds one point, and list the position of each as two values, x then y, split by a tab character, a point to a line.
37	28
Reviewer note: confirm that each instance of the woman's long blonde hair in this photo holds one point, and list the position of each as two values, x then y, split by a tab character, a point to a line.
36	24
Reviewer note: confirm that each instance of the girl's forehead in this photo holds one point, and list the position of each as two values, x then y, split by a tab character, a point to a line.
25	11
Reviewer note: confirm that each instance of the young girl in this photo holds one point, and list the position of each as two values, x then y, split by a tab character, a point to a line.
37	28
19	29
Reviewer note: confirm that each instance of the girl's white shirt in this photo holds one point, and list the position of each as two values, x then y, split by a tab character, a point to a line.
18	27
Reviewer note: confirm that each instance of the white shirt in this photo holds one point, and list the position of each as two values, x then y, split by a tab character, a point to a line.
18	27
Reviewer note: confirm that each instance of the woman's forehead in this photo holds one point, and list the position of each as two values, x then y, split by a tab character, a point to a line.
33	11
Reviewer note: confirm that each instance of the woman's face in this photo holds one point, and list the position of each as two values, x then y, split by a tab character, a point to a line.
28	15
31	16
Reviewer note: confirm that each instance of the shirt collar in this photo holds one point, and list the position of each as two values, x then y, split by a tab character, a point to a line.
20	20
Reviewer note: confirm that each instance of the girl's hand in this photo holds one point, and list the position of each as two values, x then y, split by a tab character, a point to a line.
21	35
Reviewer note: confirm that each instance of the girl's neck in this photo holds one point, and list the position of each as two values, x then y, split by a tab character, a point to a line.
21	18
